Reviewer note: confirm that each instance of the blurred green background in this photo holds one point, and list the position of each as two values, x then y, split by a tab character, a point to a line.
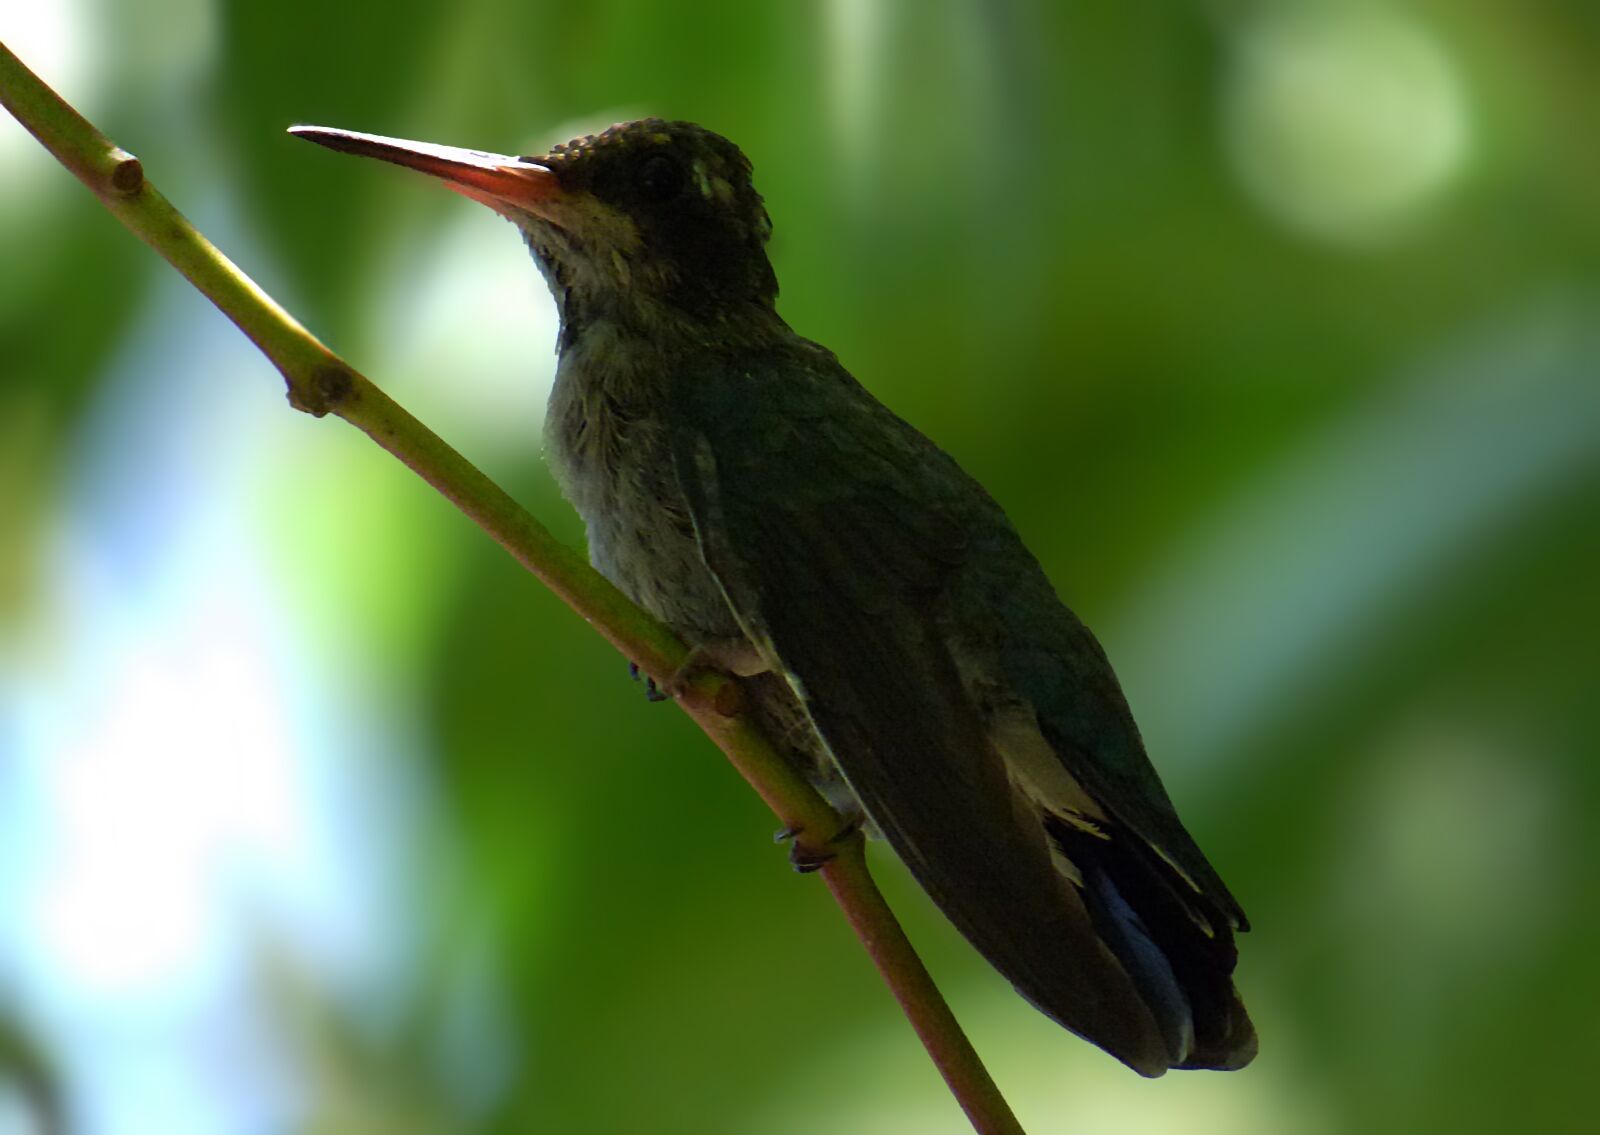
1272	325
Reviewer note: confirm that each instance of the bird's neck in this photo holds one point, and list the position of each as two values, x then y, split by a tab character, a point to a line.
610	320
618	300
665	331
622	359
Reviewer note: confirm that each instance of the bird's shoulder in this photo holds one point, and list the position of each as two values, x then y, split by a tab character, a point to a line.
794	399
793	440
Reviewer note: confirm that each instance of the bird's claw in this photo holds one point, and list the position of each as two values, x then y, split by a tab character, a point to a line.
652	692
806	859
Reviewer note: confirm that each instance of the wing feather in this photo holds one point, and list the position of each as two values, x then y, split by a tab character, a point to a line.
819	514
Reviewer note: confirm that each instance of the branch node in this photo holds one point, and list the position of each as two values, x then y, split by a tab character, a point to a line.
328	388
127	175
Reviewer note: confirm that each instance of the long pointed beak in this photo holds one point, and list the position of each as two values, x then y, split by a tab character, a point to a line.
496	180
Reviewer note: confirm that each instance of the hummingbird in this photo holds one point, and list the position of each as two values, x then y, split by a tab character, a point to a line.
890	630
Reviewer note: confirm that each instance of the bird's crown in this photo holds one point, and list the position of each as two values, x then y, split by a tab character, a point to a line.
651	163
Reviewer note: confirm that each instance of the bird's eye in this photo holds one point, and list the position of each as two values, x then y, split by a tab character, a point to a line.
660	178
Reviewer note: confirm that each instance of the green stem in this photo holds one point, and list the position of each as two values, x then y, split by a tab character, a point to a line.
924	1006
320	383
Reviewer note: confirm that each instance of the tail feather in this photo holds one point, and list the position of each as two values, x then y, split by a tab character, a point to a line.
1174	943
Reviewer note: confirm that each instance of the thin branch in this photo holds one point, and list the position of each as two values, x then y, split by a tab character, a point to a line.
320	383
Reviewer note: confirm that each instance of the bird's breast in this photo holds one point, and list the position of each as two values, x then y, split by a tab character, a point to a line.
606	443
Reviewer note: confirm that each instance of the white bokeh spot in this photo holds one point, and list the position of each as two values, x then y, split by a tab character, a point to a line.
1343	121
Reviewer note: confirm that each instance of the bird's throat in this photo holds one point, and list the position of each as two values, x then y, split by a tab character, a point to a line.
626	295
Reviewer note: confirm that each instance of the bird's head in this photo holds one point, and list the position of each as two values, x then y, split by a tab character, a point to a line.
648	221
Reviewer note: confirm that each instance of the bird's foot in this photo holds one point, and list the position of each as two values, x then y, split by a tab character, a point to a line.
735	656
806	858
